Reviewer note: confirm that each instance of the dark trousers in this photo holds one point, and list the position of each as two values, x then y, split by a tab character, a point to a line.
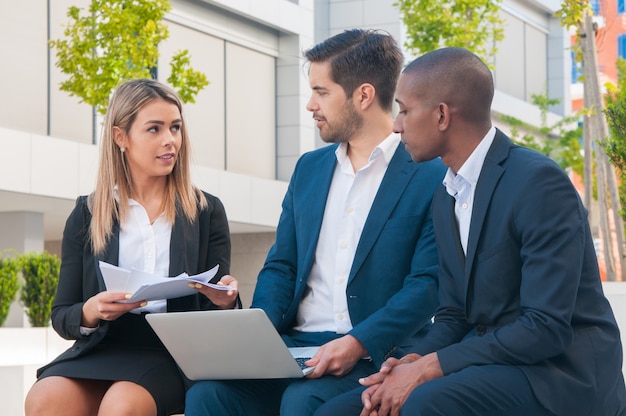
289	397
490	390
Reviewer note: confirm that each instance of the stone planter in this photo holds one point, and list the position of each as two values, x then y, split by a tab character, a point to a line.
22	351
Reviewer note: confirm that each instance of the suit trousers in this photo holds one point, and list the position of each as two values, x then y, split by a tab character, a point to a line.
289	397
489	390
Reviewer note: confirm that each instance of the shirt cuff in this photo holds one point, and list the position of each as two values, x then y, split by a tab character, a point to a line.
85	331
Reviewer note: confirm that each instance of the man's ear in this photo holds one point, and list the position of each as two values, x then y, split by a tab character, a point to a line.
364	95
443	122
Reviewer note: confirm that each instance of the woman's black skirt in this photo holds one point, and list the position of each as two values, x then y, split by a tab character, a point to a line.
131	351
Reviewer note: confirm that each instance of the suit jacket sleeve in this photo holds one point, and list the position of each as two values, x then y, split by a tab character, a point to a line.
274	291
75	286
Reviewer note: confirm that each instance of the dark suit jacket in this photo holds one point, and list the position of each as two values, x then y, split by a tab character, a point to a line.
392	285
528	293
194	248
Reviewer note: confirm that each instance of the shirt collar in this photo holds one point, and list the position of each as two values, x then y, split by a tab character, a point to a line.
470	170
116	196
386	149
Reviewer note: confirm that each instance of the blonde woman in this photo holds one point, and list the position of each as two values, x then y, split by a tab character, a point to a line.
144	214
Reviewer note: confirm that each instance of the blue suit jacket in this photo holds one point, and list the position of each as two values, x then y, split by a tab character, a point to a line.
528	293
391	290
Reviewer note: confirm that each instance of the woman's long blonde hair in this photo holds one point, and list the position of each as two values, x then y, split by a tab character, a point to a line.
113	172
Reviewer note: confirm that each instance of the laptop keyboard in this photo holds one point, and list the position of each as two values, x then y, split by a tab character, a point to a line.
301	361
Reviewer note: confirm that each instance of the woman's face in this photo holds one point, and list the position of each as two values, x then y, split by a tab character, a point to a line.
153	141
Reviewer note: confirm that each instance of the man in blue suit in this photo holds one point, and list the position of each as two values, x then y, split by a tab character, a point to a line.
354	264
523	327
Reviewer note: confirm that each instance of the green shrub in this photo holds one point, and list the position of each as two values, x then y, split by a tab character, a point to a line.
40	272
8	286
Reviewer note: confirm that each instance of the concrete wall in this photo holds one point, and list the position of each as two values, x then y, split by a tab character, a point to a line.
247	258
22	351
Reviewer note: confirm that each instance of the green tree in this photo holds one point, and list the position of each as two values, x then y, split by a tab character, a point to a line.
475	25
117	40
615	144
558	141
9	285
40	273
578	14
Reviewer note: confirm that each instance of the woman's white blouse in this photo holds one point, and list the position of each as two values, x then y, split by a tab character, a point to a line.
145	246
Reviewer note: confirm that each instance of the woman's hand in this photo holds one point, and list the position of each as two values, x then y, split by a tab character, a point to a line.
105	306
224	299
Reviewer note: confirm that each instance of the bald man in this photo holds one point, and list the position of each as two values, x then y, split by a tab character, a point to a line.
523	327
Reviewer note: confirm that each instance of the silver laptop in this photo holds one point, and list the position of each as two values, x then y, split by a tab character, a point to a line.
228	344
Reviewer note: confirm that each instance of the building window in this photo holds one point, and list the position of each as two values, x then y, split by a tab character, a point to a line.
620	6
595	7
577	69
621	46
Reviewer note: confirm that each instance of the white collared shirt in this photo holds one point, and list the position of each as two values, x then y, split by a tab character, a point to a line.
462	185
324	306
146	247
143	246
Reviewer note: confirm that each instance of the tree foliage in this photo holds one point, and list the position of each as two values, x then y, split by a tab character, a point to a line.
572	12
559	141
40	272
578	14
118	40
615	144
8	285
475	25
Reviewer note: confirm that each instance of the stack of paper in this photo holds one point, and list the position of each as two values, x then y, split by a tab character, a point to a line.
146	286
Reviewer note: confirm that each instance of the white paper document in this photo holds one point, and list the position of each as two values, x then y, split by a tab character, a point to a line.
146	286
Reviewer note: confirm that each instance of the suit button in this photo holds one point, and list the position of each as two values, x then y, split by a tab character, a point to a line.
480	330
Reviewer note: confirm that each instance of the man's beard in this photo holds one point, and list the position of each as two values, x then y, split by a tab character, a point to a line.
344	127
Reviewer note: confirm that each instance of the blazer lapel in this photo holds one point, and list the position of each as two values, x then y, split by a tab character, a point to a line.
183	242
399	172
314	203
111	254
447	232
489	177
456	234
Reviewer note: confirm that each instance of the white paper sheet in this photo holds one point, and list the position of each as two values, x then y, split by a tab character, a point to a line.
146	286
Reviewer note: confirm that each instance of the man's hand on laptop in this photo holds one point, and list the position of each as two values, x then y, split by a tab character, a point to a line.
224	299
336	357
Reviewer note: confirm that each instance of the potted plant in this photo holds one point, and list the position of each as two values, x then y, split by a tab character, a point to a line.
8	285
40	273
